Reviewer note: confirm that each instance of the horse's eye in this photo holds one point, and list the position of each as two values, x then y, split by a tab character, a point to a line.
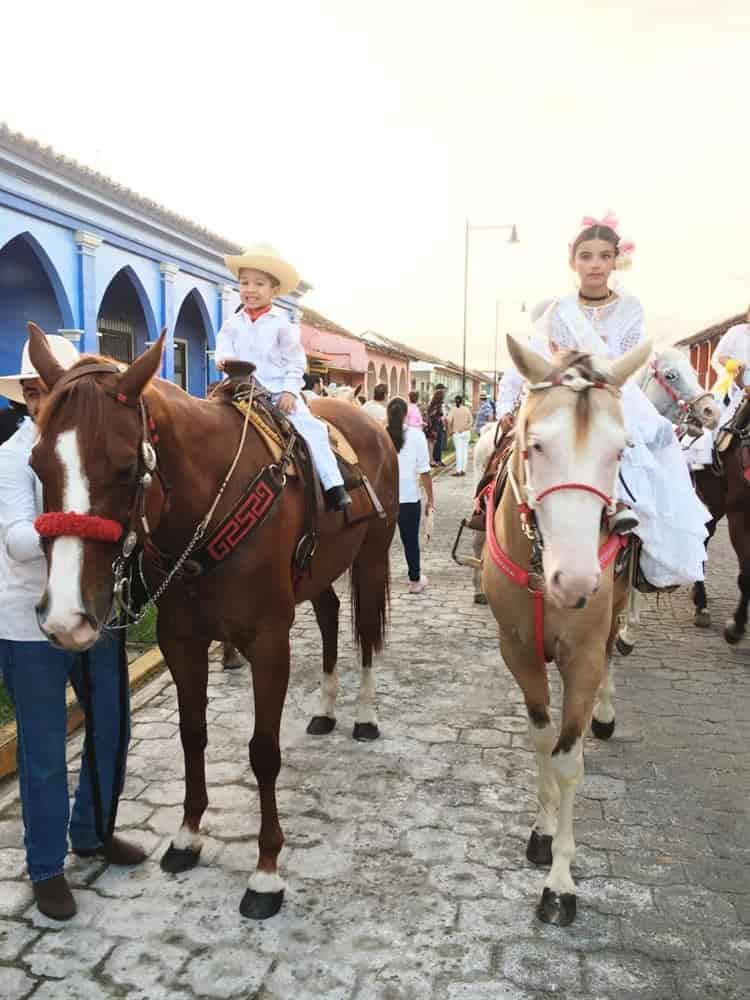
536	446
670	376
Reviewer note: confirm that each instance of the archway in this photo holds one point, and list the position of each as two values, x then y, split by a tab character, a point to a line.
383	375
394	383
371	380
402	383
125	320
30	289
191	331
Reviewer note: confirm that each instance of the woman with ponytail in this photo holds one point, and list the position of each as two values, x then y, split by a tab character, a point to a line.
413	469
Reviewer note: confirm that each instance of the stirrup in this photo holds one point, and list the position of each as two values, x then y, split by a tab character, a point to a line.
623	521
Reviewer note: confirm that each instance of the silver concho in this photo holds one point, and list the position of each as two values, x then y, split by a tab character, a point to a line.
149	455
131	540
146	480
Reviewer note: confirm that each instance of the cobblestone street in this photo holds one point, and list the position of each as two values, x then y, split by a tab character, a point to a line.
404	859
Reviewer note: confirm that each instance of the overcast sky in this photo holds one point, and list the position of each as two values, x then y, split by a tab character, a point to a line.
358	137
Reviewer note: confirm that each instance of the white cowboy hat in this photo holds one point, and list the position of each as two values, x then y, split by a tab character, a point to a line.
64	353
263	257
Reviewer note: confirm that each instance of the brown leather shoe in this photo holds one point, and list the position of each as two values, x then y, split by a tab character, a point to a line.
117	851
54	898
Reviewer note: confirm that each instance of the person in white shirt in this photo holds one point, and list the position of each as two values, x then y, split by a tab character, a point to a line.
413	470
265	337
35	674
375	407
731	361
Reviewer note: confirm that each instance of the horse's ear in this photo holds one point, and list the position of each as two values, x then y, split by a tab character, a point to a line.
41	356
629	363
531	365
133	381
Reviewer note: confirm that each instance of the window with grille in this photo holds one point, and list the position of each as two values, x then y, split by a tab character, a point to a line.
116	339
180	364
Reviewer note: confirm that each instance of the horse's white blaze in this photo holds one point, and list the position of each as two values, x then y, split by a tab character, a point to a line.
329	687
604	710
568	769
569	520
265	882
543	738
187	839
366	698
66	556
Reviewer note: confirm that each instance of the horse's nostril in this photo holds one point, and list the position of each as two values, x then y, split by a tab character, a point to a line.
556	577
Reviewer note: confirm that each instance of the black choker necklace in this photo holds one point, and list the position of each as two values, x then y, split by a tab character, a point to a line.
592	298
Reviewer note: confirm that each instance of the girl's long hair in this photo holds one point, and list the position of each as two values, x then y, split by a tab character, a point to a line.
396	416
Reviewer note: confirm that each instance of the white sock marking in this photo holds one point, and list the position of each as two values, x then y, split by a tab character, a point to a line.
187	839
366	711
265	882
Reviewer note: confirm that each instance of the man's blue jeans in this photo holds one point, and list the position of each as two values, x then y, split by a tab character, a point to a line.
34	674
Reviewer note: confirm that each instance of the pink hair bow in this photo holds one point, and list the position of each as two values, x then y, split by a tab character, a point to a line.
610	219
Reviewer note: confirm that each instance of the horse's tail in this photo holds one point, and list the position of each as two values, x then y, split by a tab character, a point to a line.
370	588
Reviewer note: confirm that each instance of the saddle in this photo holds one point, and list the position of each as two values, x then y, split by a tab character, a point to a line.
289	451
736	425
497	470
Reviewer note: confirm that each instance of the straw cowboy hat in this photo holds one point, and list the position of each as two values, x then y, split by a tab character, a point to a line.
64	353
263	257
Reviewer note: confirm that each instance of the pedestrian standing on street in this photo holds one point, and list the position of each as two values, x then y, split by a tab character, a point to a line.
436	426
414	416
263	335
376	407
413	470
458	423
485	413
35	674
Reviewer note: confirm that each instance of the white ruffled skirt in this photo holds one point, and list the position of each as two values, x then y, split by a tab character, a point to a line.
655	481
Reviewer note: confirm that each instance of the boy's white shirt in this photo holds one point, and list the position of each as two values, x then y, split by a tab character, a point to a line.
272	343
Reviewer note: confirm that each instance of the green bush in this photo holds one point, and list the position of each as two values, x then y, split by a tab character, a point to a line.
6	708
144	633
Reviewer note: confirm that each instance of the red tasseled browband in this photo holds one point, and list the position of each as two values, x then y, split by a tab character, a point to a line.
96	529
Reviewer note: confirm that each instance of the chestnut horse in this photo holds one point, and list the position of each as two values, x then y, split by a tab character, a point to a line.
100	426
569	438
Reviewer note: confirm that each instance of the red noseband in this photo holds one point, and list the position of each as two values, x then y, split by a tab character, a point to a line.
94	529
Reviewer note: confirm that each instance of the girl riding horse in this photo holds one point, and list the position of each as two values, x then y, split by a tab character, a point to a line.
656	498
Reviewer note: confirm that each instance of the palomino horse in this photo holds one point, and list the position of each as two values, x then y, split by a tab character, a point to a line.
669	381
100	427
569	439
724	489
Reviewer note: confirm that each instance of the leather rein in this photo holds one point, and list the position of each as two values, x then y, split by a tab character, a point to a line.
527	501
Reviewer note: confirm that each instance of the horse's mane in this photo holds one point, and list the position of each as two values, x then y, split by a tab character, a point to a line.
88	393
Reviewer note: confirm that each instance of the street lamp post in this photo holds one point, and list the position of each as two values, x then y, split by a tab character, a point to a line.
513	238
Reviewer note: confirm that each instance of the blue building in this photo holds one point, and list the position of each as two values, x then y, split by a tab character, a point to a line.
81	255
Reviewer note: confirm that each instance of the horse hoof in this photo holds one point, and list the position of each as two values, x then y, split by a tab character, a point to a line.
179	859
702	619
732	634
320	725
261	905
539	848
624	648
365	732
558	909
480	599
602	730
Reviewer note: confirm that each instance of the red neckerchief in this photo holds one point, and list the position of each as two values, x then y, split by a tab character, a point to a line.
255	314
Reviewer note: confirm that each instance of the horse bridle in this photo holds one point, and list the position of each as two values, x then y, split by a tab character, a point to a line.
136	528
686	407
527	499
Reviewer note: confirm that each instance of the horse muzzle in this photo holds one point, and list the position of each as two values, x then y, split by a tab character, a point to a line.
75	631
572	590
